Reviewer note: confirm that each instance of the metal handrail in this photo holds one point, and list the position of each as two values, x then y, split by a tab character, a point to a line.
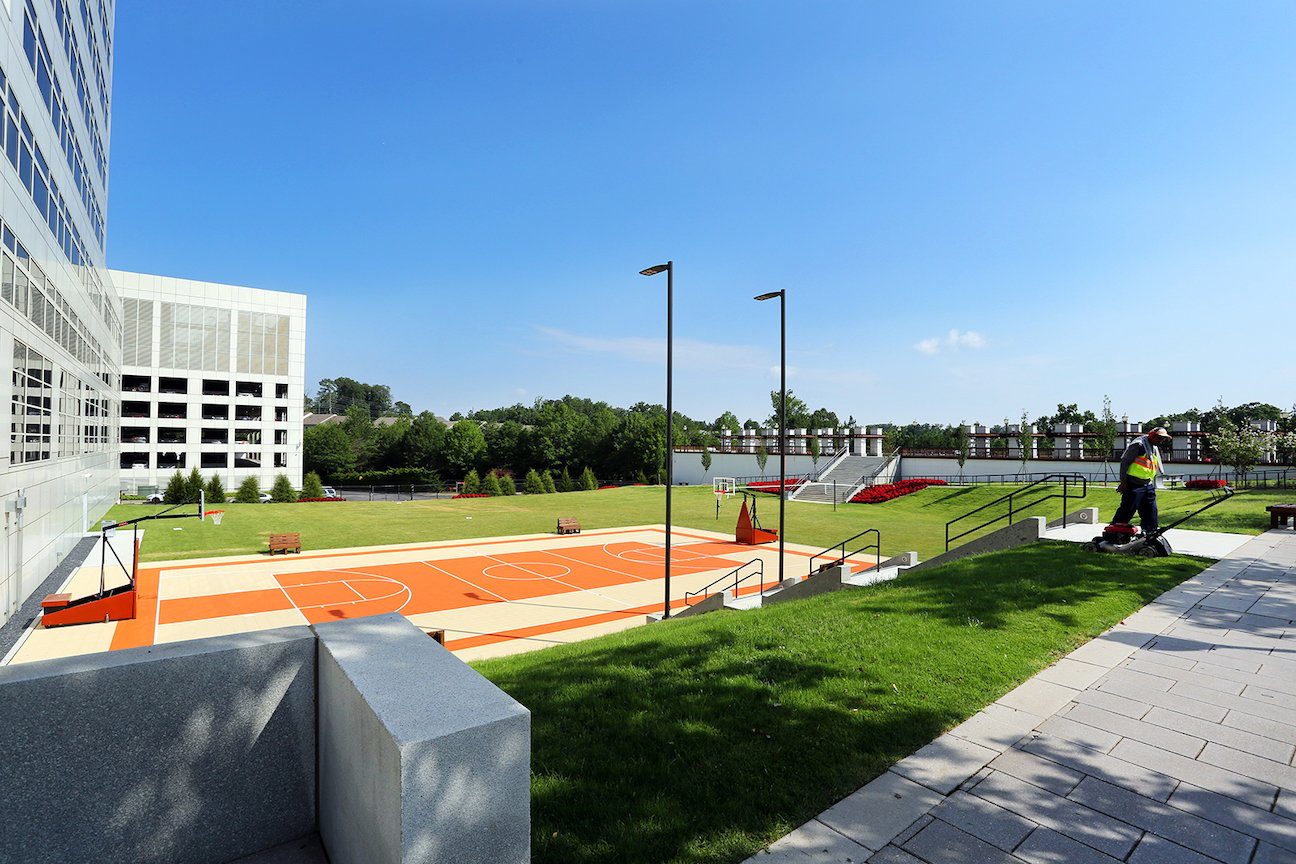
1066	479
759	571
841	559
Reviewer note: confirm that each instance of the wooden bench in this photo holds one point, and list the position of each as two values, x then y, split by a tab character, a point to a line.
285	543
568	526
1280	513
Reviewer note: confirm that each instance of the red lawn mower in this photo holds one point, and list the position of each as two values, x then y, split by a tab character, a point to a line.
1122	538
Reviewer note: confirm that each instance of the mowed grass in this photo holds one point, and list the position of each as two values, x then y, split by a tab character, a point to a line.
911	523
702	740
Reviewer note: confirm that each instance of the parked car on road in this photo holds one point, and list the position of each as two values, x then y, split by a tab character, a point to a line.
330	492
155	498
265	497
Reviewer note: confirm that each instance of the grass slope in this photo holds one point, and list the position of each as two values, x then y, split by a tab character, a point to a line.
702	740
914	522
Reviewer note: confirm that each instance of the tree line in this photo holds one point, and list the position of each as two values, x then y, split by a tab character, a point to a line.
381	441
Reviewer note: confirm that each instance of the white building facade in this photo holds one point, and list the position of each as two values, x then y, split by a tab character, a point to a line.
60	320
212	377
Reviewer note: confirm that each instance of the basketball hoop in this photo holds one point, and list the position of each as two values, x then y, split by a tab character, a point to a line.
216	516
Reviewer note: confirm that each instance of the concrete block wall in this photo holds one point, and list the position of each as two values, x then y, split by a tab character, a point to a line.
207	751
197	751
435	769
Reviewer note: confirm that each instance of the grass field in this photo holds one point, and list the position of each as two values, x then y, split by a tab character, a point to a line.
914	522
702	740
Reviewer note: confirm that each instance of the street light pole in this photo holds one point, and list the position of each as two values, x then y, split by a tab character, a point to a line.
782	296
669	267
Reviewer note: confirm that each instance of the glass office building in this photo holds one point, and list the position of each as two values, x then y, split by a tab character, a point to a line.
60	317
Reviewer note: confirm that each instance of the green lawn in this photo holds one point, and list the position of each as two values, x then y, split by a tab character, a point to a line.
701	740
914	522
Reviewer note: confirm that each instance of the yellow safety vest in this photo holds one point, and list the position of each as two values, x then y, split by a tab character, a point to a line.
1145	467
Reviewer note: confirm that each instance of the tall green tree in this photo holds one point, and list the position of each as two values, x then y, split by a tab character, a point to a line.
588	482
423	443
532	484
1240	448
490	485
326	450
762	456
464	448
962	446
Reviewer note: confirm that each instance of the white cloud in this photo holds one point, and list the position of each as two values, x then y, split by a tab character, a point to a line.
953	341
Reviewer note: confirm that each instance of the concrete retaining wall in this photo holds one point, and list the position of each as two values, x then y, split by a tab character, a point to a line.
1022	533
434	769
816	583
197	751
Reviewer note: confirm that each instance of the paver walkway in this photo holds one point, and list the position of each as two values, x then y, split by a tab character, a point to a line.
1170	738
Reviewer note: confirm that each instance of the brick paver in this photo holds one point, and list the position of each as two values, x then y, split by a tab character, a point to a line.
1171	738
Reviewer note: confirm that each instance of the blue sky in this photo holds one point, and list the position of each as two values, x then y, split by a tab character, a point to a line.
976	208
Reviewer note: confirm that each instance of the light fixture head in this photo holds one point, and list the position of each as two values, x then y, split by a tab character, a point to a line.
655	269
770	296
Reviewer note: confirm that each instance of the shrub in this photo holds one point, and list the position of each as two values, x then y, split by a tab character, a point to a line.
176	490
470	495
507	486
249	492
547	479
194	486
490	485
312	487
565	483
588	483
282	492
1204	483
641	479
471	483
533	485
215	491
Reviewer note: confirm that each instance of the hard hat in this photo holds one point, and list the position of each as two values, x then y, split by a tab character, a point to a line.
1160	432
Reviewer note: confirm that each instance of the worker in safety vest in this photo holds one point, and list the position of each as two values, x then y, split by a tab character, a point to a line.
1139	467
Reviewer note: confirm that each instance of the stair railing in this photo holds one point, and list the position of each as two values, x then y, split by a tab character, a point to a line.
841	559
759	572
818	477
1067	494
871	479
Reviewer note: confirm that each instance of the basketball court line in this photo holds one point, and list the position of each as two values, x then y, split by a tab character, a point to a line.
502	598
559	568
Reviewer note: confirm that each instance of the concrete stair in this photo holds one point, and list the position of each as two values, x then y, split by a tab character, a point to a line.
847	472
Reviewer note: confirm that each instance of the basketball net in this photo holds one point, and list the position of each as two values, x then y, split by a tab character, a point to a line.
216	516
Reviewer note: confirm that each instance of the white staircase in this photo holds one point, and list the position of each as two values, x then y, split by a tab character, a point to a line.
841	479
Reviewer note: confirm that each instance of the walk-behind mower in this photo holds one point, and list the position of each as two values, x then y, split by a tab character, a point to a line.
1125	539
